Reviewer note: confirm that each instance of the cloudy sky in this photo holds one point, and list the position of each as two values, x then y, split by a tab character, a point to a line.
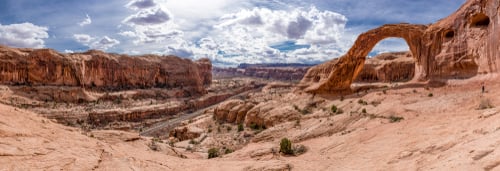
228	32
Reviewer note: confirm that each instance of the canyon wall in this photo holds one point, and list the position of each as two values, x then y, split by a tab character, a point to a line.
102	71
462	45
388	67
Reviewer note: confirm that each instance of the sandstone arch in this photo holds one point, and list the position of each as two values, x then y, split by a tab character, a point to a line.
337	76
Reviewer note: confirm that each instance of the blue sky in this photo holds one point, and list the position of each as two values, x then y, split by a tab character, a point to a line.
228	32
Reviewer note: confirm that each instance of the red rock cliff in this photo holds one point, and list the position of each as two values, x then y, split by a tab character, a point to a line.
102	71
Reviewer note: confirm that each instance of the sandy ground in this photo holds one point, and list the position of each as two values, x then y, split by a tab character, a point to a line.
442	132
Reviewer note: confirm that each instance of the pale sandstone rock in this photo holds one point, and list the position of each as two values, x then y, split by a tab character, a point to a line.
462	45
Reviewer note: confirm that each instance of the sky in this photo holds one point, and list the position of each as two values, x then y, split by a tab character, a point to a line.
228	32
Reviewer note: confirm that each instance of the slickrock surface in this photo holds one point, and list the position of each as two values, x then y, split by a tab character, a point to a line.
462	45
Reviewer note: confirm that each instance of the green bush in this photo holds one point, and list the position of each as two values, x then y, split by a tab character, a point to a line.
240	127
213	153
393	118
334	109
286	146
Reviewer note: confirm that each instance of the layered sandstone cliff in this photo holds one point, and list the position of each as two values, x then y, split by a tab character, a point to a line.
278	71
101	71
460	46
388	67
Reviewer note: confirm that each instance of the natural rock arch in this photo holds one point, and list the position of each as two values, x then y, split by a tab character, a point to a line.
335	76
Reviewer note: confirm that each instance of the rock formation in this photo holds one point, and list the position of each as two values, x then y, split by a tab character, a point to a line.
388	67
460	46
232	111
98	70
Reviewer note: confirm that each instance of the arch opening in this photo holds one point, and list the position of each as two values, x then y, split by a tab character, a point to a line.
479	20
389	61
448	35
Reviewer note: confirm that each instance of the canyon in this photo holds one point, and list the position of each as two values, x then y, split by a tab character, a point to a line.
432	108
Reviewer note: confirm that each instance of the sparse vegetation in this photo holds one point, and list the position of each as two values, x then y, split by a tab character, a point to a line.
334	109
227	151
286	146
213	153
341	98
229	128
362	102
240	127
393	118
485	104
192	141
430	95
363	111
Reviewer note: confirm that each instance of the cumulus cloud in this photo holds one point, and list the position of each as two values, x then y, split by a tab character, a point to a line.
141	4
85	21
68	51
149	17
103	43
23	35
151	24
248	35
83	38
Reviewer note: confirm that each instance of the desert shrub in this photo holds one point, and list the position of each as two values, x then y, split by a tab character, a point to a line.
229	129
363	111
296	108
240	127
430	95
153	146
227	151
393	118
384	91
485	104
362	102
192	141
341	98
334	109
286	146
213	153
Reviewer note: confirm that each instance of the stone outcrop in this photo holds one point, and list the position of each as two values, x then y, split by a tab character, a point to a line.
388	67
101	71
232	111
460	46
186	133
205	68
271	113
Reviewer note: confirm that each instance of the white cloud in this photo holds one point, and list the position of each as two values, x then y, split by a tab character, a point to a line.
85	21
149	17
246	36
141	4
103	43
83	38
68	51
23	35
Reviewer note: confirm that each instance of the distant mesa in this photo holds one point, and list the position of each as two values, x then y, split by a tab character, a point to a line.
102	71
